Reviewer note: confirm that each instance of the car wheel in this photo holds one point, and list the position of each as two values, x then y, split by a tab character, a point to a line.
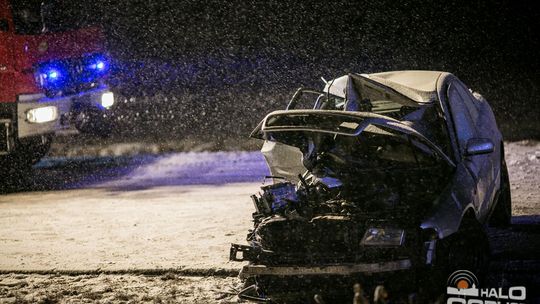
502	212
468	249
470	252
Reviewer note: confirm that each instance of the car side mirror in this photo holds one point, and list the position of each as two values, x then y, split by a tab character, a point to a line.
4	25
477	146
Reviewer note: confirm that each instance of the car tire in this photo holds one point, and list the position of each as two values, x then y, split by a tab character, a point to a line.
502	213
470	251
467	249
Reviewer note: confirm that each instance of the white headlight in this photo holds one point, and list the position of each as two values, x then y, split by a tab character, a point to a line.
383	237
107	100
43	114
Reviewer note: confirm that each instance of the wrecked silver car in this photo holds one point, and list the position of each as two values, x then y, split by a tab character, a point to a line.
379	178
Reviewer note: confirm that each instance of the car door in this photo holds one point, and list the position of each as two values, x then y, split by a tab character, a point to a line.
484	162
465	119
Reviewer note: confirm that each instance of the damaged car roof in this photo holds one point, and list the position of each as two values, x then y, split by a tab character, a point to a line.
417	87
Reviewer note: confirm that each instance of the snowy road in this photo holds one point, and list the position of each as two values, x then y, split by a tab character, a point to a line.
181	211
172	211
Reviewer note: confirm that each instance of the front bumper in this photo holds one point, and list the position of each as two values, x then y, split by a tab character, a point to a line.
284	284
65	107
325	270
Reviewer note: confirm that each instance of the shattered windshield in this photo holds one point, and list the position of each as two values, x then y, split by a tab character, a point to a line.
311	99
375	147
426	119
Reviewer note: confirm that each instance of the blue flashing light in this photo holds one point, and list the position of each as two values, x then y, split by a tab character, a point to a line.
68	74
52	75
98	65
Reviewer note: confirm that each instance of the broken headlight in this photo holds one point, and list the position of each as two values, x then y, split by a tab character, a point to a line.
279	195
378	236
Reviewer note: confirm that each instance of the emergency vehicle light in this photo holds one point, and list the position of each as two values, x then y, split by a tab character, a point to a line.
43	114
107	100
51	76
98	64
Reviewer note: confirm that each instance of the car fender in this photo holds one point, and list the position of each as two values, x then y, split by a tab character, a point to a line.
448	220
456	199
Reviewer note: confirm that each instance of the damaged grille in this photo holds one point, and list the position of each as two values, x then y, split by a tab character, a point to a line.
324	238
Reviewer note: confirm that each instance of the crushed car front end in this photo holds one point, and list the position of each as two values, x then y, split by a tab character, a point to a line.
355	215
328	254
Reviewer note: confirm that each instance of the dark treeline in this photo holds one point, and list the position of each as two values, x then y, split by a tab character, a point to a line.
249	54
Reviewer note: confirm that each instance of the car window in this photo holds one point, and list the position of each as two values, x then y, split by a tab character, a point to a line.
461	117
468	101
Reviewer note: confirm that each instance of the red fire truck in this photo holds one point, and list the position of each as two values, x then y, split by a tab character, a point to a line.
51	79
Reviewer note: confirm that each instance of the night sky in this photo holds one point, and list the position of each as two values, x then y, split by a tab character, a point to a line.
446	32
276	46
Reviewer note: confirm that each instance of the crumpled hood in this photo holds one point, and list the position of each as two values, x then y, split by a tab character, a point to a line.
288	126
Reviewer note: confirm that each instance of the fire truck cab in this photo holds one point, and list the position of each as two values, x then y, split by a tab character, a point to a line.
51	79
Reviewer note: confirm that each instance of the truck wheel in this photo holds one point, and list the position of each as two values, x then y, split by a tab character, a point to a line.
25	155
33	152
502	212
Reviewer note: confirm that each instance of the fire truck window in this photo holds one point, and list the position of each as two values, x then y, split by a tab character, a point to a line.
33	17
27	17
4	26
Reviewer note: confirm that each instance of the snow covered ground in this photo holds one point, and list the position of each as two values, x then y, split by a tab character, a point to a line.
132	215
172	211
523	161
